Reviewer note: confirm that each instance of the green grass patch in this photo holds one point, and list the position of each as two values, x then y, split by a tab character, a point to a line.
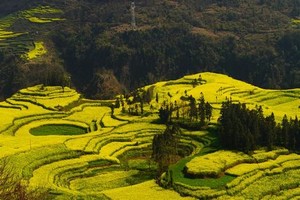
215	183
98	163
179	176
212	145
141	176
58	129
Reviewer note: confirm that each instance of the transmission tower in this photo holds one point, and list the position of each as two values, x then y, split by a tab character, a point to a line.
133	23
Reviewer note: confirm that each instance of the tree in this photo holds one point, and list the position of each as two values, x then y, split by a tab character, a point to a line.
13	189
164	148
270	126
117	103
297	132
284	138
164	114
201	108
208	111
193	108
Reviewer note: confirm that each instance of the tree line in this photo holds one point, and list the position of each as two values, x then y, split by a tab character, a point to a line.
246	129
190	113
258	51
137	58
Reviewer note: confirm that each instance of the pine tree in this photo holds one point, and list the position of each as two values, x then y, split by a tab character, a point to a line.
270	126
165	148
208	111
285	132
164	114
201	109
297	129
193	108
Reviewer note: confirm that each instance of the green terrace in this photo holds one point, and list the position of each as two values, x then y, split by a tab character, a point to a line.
22	42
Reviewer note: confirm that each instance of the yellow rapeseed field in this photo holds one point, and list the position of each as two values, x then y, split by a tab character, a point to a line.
148	190
213	164
63	162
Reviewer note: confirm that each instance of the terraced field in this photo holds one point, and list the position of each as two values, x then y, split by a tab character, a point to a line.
21	40
252	178
113	158
217	89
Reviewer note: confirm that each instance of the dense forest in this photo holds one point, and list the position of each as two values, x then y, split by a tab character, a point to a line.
255	41
245	129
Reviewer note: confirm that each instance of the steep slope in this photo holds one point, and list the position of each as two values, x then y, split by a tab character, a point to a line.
250	40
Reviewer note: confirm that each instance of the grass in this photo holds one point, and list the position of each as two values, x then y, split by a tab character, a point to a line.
179	175
214	183
58	129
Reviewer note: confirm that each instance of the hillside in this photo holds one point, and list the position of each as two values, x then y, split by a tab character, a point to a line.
92	45
218	88
56	139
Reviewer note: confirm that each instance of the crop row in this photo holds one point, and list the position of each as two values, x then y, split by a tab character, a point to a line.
113	178
49	174
283	161
198	192
211	165
24	163
268	185
21	121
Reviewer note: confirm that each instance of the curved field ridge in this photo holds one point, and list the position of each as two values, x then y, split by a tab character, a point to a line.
21	43
219	87
113	160
256	179
147	190
211	165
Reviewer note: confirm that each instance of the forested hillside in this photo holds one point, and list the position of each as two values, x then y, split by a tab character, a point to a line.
97	49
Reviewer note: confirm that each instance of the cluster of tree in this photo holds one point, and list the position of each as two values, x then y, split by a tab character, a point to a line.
15	73
193	112
137	58
289	7
135	101
245	130
165	148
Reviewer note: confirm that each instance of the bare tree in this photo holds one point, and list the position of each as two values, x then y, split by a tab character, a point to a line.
12	188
